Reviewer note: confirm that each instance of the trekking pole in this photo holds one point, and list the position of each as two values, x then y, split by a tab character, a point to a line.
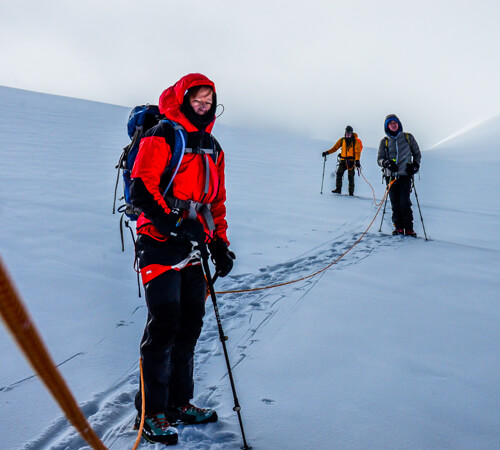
388	187
418	204
222	337
323	177
383	214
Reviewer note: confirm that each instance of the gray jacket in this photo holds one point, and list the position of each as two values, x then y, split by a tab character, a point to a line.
402	148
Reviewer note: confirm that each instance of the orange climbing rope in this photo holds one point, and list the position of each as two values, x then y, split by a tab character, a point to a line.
21	326
373	191
239	291
143	408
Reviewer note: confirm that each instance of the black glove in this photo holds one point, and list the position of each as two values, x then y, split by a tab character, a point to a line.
412	168
358	163
390	164
173	225
324	154
191	230
222	257
166	223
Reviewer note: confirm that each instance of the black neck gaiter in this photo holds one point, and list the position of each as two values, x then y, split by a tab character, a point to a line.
200	122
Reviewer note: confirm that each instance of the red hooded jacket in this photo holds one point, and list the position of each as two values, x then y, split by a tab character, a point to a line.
196	171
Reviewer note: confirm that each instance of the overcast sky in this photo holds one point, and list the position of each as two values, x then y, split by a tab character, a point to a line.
309	66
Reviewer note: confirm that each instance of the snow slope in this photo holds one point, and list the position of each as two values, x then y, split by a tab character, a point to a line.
395	346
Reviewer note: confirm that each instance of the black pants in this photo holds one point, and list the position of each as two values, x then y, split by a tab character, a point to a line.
402	215
345	164
176	306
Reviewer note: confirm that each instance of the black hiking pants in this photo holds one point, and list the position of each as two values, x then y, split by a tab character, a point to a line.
176	306
402	215
345	164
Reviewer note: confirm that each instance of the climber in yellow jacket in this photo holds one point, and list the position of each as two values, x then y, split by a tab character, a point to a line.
348	159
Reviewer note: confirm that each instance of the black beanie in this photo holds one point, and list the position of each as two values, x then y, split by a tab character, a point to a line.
348	129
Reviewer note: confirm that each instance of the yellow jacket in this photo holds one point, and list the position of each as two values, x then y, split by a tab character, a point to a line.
351	151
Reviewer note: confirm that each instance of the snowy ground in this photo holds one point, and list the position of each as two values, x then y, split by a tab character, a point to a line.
395	346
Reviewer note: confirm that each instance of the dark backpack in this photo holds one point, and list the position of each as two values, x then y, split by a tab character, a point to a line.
140	120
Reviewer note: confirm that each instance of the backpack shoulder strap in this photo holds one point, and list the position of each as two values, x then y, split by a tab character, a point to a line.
180	139
411	140
216	148
179	144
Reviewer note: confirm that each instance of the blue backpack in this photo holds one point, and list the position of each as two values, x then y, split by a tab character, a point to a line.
140	120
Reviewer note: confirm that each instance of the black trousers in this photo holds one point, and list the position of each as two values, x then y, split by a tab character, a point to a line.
176	306
402	215
345	164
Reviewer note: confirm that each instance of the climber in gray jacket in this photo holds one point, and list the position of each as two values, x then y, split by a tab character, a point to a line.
399	156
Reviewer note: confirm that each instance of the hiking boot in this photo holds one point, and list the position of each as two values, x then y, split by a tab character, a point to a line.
410	232
157	429
351	193
398	231
191	415
337	191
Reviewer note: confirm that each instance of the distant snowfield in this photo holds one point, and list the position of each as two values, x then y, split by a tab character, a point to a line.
395	346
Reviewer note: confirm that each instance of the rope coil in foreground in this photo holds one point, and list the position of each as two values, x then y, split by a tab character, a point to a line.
22	328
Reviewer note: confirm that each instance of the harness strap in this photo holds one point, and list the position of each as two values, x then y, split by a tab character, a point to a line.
207	174
194	208
153	270
200	151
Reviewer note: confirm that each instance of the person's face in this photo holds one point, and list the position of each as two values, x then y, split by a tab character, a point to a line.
348	134
202	101
393	126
